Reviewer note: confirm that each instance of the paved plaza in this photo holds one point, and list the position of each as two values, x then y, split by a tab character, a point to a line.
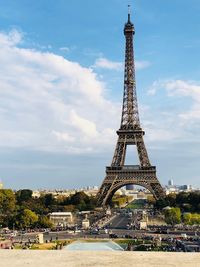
33	258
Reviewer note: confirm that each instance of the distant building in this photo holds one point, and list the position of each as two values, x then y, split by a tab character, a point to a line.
61	218
170	182
130	187
185	187
36	194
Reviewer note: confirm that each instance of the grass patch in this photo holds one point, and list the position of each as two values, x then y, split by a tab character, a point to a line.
137	204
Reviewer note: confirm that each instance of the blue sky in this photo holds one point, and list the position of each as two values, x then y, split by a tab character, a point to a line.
61	85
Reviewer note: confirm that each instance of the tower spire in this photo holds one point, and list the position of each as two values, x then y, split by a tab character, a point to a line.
129	13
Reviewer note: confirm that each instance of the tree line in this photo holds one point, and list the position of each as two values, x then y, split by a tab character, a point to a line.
182	207
21	210
186	201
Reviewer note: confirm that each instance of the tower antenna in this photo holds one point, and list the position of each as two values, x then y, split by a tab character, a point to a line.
129	12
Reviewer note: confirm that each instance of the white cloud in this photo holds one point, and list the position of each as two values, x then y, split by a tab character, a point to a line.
183	116
177	88
13	38
87	127
63	136
189	89
183	88
105	63
142	64
49	102
64	48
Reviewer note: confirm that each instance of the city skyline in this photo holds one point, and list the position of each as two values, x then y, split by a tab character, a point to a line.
62	84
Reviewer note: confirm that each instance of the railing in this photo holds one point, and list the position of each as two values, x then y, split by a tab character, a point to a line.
130	167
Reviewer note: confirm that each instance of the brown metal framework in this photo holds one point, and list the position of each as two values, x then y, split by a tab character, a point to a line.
130	133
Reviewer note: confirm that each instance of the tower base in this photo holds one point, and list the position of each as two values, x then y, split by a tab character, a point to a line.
117	177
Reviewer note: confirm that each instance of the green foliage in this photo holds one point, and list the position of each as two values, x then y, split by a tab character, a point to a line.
26	219
171	199
44	222
7	201
23	195
49	200
187	202
137	204
79	198
69	208
173	216
190	219
24	211
151	200
187	218
120	201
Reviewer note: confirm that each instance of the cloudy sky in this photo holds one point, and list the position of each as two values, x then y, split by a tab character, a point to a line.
61	85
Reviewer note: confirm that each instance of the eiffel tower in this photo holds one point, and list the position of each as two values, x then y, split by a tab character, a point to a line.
130	133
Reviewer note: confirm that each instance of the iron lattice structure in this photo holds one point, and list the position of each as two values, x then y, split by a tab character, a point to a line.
130	133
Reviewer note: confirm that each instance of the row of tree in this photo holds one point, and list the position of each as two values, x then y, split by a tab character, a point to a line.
186	201
174	216
21	210
183	207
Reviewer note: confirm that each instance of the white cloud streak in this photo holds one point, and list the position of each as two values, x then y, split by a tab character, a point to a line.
105	63
142	64
108	64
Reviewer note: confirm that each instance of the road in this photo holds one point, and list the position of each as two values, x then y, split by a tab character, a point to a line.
52	236
119	222
118	226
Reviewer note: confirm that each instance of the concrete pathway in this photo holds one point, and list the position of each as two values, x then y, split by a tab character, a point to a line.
33	258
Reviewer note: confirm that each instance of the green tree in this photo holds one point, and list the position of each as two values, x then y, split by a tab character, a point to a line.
195	219
44	222
181	198
79	198
187	218
171	200
194	201
26	219
173	216
24	195
7	201
49	200
161	203
69	208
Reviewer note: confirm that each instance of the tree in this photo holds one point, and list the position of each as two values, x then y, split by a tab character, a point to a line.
181	198
69	208
151	200
26	219
161	203
7	201
171	200
24	195
187	218
79	198
173	216
44	222
49	200
194	201
195	218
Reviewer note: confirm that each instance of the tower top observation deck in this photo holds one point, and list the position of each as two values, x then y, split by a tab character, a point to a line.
129	26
